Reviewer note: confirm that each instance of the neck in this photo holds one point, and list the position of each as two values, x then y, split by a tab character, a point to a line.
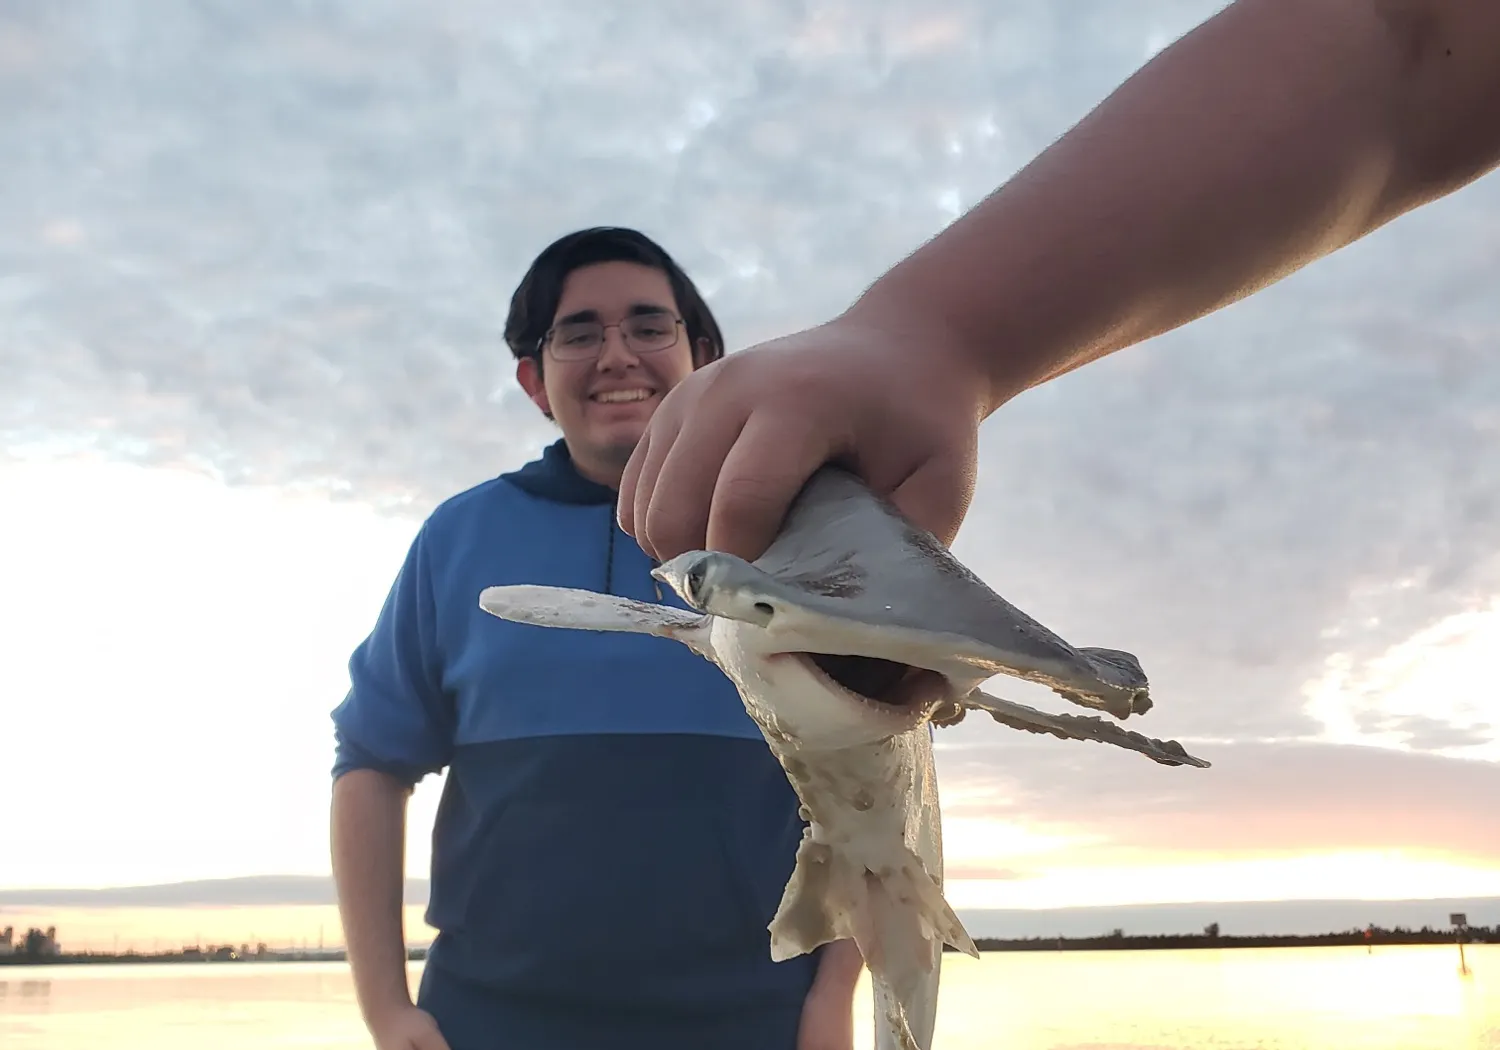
607	473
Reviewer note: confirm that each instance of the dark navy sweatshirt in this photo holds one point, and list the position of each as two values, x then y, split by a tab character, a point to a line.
613	834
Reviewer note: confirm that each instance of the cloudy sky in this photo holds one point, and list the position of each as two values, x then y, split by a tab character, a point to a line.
254	265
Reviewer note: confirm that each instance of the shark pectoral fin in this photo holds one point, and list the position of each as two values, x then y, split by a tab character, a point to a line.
1080	727
939	924
806	918
582	610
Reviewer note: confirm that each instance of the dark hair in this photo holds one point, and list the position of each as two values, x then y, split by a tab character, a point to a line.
534	303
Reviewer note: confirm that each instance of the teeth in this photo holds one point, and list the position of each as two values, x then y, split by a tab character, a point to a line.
611	396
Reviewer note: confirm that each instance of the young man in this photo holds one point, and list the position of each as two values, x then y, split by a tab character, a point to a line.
614	835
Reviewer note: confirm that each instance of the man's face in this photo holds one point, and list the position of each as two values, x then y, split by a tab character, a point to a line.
602	395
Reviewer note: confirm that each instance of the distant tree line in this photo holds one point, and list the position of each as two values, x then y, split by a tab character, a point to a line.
1118	940
210	953
33	945
38	946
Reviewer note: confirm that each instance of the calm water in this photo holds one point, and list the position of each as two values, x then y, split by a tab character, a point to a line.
1286	999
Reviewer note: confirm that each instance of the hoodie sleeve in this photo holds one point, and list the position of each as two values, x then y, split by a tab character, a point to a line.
397	717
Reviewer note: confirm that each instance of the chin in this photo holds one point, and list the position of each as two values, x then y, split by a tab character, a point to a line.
615	444
613	425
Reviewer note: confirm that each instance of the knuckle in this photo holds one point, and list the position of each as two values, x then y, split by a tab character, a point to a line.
748	494
666	524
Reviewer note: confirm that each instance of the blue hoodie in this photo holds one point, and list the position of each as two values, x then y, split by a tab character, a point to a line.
614	835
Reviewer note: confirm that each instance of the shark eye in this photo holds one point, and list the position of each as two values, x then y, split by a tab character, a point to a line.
695	579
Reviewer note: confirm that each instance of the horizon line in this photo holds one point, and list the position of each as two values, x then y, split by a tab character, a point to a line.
163	894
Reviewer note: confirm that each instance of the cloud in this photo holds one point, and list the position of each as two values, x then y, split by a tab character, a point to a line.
251	891
1259	799
1297	918
276	242
970	869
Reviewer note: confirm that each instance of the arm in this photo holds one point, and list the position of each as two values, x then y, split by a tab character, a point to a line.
1273	134
394	727
839	968
828	1012
368	837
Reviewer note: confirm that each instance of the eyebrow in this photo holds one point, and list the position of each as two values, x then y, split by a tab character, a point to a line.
635	310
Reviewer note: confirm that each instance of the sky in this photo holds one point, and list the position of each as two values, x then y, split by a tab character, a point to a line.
255	264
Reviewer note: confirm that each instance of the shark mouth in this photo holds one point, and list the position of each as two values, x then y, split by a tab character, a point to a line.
883	682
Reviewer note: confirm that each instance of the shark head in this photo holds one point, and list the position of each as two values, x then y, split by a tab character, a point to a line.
717	584
822	678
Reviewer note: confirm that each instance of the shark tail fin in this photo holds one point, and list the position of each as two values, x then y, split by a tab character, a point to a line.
897	916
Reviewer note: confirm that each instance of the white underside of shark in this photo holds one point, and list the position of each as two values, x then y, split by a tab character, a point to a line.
849	592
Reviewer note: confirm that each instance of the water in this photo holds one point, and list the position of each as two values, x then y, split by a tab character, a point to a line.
1247	999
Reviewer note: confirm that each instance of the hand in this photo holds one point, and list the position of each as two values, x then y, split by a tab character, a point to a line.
730	446
407	1028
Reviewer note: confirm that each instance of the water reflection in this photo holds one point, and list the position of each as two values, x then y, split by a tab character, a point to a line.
25	989
1249	999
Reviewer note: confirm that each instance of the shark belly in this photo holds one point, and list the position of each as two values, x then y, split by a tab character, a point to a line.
870	864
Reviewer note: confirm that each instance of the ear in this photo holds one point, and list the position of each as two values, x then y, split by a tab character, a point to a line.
701	351
529	375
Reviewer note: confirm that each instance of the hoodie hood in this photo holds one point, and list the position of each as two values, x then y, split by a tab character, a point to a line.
554	477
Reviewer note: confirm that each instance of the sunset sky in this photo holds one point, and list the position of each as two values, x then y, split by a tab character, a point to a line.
253	272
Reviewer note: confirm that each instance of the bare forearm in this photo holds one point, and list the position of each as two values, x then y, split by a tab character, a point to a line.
1270	136
368	837
839	967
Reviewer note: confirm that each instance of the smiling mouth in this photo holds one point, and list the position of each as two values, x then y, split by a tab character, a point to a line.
621	397
883	682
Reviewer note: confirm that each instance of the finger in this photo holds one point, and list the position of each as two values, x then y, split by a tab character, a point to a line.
625	501
661	437
678	501
936	495
760	476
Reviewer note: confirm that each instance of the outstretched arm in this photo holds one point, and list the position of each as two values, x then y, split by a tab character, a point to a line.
1273	134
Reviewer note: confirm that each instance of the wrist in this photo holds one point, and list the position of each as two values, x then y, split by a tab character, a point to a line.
381	1008
954	353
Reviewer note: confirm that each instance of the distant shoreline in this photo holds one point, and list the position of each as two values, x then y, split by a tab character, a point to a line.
1116	941
186	957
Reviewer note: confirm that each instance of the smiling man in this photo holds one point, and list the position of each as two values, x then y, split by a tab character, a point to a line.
602	391
614	835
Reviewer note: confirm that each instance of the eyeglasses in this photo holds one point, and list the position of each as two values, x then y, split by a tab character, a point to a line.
581	340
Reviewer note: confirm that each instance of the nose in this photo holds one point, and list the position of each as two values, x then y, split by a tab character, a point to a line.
614	353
